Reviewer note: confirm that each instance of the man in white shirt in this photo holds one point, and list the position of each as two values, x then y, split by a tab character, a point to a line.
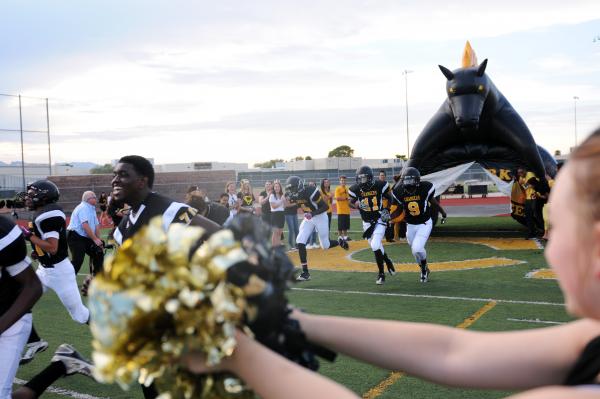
83	234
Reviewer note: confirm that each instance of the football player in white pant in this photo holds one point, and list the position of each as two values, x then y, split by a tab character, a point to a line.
367	195
20	288
417	198
49	241
315	218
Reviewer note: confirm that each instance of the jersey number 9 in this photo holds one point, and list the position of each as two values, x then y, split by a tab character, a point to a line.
413	208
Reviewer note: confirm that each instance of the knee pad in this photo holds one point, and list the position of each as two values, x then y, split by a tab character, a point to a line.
81	316
419	256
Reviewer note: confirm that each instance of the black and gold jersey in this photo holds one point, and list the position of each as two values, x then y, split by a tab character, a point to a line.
248	200
371	200
417	209
13	260
50	222
309	200
154	205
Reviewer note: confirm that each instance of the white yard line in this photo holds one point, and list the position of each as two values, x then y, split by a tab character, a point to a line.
536	321
63	392
453	298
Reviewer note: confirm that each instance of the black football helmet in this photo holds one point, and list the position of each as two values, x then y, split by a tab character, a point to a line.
411	178
364	177
42	192
294	184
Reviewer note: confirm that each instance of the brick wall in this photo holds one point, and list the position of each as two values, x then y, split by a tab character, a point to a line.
172	184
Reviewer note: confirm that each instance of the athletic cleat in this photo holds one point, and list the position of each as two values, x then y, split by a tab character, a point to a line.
343	243
391	269
380	279
424	274
73	361
304	276
32	349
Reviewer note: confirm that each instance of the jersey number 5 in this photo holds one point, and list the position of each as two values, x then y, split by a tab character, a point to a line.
413	208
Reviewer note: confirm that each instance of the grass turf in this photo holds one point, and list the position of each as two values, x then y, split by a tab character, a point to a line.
444	301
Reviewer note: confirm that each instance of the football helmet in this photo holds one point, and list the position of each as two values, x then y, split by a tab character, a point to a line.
42	192
364	177
294	184
411	178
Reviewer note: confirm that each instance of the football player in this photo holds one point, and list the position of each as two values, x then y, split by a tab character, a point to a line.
133	178
48	236
20	288
416	198
367	195
315	218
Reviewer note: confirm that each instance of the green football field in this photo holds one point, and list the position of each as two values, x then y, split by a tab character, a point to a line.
487	299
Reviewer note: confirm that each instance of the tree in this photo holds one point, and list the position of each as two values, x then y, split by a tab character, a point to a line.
308	158
101	170
400	156
342	151
299	158
269	164
557	153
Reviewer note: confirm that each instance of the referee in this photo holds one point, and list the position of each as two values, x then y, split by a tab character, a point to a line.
83	234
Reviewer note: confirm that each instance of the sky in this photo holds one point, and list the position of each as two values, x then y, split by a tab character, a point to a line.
250	81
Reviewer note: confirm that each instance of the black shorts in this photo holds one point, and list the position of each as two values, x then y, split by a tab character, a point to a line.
278	219
343	222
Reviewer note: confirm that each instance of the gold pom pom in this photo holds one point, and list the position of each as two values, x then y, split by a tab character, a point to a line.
156	301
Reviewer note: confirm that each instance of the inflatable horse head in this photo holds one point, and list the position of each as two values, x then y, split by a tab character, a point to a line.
467	90
477	123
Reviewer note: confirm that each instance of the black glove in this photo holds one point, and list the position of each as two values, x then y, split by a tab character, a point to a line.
265	277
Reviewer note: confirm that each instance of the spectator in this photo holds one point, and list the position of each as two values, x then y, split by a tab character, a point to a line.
264	202
528	180
210	210
246	197
83	235
232	200
291	218
343	209
224	200
103	204
544	197
277	205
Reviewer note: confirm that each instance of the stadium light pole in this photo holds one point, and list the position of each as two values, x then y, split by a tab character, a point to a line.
48	134
22	150
405	73
575	98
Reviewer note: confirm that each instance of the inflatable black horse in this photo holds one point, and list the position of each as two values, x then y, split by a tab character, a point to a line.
477	123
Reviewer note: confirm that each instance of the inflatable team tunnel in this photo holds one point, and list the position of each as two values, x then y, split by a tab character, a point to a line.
476	123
